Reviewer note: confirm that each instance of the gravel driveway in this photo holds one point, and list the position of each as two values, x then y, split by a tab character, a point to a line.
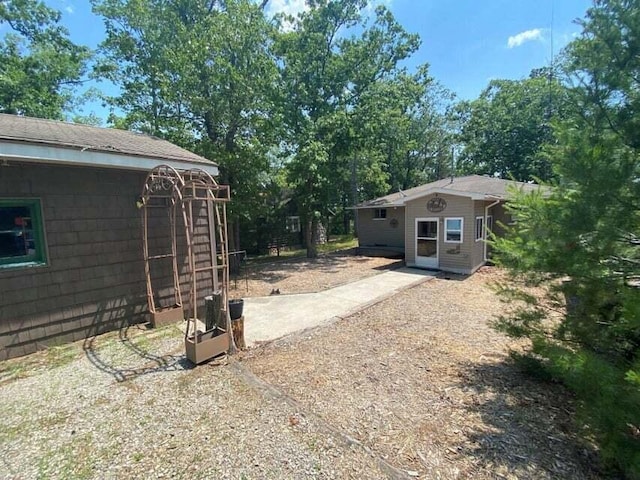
416	386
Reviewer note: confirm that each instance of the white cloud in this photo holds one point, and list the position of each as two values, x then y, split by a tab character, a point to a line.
526	36
295	7
68	9
288	7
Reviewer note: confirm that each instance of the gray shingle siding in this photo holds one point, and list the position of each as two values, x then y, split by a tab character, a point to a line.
94	281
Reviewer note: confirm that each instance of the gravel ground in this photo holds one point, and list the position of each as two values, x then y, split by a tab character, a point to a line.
304	275
418	381
116	411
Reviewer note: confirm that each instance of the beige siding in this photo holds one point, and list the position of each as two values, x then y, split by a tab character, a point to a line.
478	246
457	257
500	217
372	232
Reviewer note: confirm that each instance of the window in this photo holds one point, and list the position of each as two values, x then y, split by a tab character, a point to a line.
293	224
21	233
379	213
489	224
453	230
479	228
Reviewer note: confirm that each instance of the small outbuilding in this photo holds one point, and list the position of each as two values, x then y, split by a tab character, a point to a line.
441	225
71	256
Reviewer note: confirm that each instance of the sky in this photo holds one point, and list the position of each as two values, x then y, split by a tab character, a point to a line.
467	43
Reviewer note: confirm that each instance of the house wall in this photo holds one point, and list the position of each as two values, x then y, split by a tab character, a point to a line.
478	245
373	232
94	281
455	257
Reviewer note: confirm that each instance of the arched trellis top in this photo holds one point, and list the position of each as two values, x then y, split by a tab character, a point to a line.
195	196
163	182
198	184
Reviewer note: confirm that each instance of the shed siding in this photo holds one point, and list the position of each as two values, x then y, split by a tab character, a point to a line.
478	246
94	280
372	232
453	256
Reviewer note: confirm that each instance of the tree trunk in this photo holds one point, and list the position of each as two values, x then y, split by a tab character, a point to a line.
310	234
213	308
237	326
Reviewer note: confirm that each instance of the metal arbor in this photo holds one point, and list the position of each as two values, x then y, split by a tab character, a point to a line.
161	191
201	204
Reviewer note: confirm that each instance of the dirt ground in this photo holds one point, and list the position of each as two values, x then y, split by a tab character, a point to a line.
417	386
423	380
302	275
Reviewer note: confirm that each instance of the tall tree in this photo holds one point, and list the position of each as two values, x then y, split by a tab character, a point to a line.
409	123
39	65
504	130
326	70
200	73
582	243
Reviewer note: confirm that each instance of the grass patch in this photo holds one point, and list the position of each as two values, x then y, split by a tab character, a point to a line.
339	242
48	359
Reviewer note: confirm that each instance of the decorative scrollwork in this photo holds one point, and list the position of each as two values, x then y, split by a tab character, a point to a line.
436	204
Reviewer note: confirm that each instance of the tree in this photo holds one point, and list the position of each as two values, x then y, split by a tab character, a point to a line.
201	74
504	130
582	243
39	65
326	70
410	125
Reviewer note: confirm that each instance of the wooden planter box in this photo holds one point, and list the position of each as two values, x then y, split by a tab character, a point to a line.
166	316
210	344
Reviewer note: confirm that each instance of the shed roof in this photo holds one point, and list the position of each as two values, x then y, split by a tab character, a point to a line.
38	132
474	186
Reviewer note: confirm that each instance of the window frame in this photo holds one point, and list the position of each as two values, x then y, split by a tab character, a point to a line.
479	232
447	230
377	211
293	220
489	226
41	258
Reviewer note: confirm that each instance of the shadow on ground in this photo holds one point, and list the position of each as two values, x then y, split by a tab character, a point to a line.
528	422
137	341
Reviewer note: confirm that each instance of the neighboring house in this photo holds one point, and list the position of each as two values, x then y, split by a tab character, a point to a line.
441	225
71	261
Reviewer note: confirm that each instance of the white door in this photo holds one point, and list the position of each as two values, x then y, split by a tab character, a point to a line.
427	242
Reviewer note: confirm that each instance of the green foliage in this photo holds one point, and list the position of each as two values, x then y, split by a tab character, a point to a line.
200	74
353	117
504	130
580	241
38	63
320	96
607	402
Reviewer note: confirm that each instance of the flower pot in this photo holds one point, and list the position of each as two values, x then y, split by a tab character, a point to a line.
236	306
206	345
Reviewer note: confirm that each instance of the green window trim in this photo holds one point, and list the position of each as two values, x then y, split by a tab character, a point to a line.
39	257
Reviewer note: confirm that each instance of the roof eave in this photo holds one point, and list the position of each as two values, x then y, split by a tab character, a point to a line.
380	205
445	191
48	154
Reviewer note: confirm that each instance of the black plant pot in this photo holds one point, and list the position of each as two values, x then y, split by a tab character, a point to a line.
236	305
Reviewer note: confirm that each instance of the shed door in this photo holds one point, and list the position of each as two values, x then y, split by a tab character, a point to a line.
427	242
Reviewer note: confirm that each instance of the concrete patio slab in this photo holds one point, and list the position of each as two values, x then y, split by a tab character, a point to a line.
269	318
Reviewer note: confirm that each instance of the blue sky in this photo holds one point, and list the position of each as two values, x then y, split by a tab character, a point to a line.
466	42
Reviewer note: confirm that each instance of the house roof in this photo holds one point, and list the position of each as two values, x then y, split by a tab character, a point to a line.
477	187
107	147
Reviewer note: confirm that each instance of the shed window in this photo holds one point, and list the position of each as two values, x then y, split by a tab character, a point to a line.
379	213
453	230
479	228
21	233
293	224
